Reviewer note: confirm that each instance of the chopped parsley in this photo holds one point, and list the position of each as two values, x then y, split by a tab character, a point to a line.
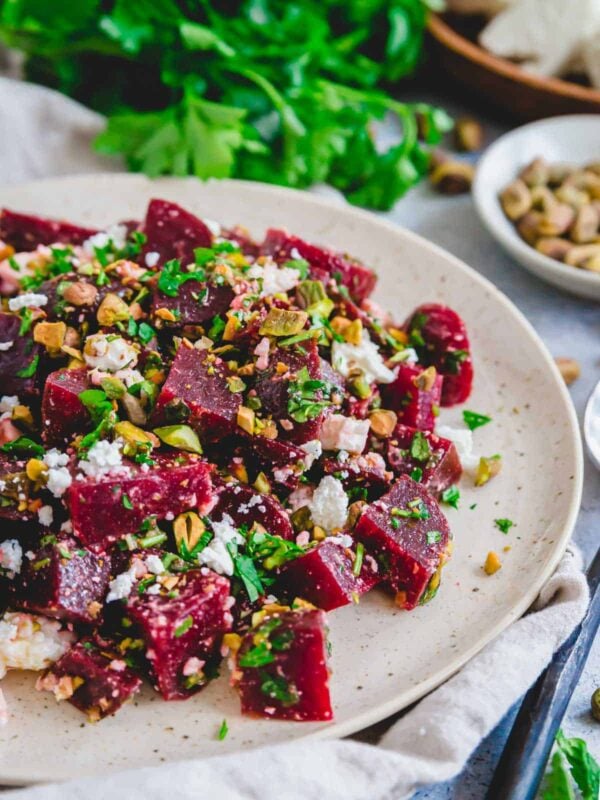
23	446
223	731
126	502
454	358
184	626
416	474
216	328
451	496
278	688
308	397
415	509
29	370
358	561
473	420
433	537
504	524
172	277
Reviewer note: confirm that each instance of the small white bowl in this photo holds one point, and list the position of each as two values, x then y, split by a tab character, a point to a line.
573	139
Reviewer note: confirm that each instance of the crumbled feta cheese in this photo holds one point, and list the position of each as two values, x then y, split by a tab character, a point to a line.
109	352
329	504
152	258
120	587
27	300
103	458
28	641
46	515
364	356
344	433
128	376
343	539
212	226
313	450
4	346
59	478
463	441
7	403
278	279
154	565
115	234
215	555
11	555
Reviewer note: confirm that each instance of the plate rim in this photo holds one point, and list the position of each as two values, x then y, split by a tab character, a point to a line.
398	702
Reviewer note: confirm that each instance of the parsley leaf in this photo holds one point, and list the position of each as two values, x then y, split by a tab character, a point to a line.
584	768
307	397
451	496
504	524
474	420
23	446
223	731
29	370
183	626
419	448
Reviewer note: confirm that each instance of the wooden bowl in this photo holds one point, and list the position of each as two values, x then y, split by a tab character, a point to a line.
502	83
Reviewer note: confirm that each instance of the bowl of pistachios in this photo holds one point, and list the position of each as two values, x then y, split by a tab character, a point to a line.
537	191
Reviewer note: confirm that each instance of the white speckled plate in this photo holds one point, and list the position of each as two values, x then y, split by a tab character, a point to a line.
383	658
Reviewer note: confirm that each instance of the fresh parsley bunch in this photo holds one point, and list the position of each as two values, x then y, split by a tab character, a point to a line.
283	91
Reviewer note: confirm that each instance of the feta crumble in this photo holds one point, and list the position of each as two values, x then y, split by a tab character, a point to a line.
7	403
27	300
152	258
154	565
46	515
329	504
364	356
4	346
344	433
463	441
343	539
28	641
313	450
278	279
103	458
11	555
115	235
215	555
109	352
59	478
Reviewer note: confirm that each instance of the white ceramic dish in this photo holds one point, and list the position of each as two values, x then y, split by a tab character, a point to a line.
383	659
573	139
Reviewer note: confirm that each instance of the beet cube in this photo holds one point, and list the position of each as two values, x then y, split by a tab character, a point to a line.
272	387
421	453
324	264
92	678
64	581
57	306
440	338
366	472
408	535
19	372
195	303
63	413
246	506
324	576
26	232
414	406
103	509
173	232
201	384
181	629
281	667
284	461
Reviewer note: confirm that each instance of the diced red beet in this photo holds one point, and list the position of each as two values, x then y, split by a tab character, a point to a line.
195	303
295	683
94	679
364	471
63	581
199	381
324	264
414	406
273	388
181	630
19	360
15	484
103	509
173	232
408	535
63	413
440	337
277	458
246	506
441	465
241	236
26	232
58	308
324	576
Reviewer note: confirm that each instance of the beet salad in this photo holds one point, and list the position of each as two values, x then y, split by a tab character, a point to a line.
208	444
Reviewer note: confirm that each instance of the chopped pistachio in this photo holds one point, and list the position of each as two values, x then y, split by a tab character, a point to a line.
261	484
112	309
301	519
425	381
383	422
319	533
113	387
488	468
231	327
134	437
188	528
51	335
245	419
359	387
492	563
310	293
35	469
80	293
353	332
22	415
180	436
281	322
235	384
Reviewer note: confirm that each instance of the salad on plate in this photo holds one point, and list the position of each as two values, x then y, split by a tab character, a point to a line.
208	444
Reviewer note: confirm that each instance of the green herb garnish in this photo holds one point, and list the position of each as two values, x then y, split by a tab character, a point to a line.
451	496
183	627
474	421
